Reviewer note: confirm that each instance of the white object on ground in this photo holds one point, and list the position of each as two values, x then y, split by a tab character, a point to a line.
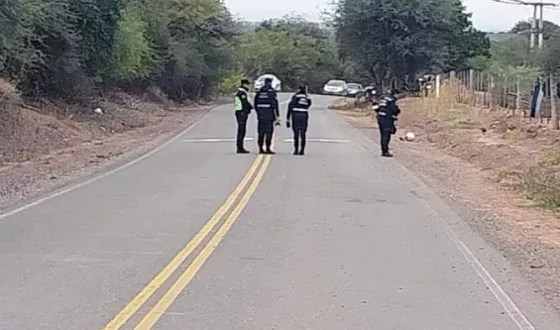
410	136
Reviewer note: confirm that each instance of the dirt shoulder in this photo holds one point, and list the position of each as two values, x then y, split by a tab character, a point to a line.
43	150
497	170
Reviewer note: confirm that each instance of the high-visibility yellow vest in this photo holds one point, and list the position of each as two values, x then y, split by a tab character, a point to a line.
237	100
238	104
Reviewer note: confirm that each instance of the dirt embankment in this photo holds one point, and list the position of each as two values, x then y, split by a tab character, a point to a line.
45	146
500	171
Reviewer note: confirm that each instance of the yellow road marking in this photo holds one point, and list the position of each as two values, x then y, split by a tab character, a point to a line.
160	278
156	313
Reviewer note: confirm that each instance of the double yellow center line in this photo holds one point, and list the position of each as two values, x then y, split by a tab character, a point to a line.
248	184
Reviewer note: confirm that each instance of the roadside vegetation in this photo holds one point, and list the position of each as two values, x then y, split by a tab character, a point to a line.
522	153
88	61
497	168
532	161
72	72
85	81
189	49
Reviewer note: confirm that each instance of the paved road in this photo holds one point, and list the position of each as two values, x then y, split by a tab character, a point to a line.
338	239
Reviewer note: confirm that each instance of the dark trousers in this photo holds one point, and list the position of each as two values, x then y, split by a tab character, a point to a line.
265	130
386	129
299	127
241	128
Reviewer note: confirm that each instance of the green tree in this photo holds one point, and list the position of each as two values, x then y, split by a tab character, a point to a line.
295	50
132	52
511	58
71	48
548	57
401	39
511	52
523	28
199	54
96	24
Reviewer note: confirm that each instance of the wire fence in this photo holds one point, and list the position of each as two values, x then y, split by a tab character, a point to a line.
523	95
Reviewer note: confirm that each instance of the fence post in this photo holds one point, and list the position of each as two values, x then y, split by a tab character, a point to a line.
438	85
472	93
484	89
465	88
453	84
480	89
505	100
553	113
491	93
517	96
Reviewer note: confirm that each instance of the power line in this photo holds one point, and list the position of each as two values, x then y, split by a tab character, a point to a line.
536	23
509	2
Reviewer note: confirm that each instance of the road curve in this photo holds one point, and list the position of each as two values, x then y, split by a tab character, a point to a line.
197	237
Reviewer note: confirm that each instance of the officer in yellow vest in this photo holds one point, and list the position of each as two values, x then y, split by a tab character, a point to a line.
243	108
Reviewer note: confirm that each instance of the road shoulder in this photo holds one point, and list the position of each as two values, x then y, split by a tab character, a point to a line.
500	216
24	182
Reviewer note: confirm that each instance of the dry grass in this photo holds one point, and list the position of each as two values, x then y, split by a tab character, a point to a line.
521	154
541	182
349	104
29	132
485	163
8	92
14	131
46	145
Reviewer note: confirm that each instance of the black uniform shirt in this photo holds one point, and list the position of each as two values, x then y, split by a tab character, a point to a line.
388	108
266	104
300	103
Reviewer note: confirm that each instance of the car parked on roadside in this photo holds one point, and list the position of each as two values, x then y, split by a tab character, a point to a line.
354	90
276	83
335	87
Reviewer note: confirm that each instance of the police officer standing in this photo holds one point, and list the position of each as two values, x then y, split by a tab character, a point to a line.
298	117
387	112
242	110
268	114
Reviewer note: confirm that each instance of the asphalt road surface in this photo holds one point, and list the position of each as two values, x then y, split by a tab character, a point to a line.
197	237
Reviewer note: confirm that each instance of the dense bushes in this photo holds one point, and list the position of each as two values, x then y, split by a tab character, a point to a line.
71	49
190	49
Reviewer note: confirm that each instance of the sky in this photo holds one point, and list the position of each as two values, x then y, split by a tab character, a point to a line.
487	14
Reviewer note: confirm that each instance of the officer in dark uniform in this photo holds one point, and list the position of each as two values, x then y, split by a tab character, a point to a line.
243	108
268	114
387	112
298	117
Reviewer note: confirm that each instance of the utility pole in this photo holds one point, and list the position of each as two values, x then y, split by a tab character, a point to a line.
537	26
540	27
533	28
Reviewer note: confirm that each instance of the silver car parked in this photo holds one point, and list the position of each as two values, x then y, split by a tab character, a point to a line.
335	87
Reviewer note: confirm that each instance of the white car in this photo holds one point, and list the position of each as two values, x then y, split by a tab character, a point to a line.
276	83
335	87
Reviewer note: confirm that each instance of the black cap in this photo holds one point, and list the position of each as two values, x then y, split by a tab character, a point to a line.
268	80
245	82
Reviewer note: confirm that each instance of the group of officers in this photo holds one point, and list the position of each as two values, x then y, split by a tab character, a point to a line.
297	117
268	116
